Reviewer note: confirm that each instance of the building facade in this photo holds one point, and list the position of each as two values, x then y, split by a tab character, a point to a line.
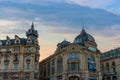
110	65
79	60
19	57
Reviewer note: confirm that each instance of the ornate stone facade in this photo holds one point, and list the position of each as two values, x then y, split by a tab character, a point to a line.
79	60
19	57
110	65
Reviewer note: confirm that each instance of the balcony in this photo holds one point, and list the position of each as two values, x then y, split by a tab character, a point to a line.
75	71
15	61
27	60
6	61
5	52
109	73
10	70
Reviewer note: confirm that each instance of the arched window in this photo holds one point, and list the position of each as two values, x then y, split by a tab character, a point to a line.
91	63
73	56
59	65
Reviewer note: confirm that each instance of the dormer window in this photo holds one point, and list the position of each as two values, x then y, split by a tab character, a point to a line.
29	41
17	41
8	43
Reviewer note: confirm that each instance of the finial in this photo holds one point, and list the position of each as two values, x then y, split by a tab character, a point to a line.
65	39
32	26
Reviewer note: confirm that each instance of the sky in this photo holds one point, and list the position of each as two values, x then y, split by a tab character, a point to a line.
57	20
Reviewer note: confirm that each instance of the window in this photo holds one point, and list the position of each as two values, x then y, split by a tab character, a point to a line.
8	43
29	49
6	67
36	58
17	41
36	76
15	66
28	66
45	69
73	66
7	49
53	62
27	76
28	58
113	63
91	48
7	58
91	63
16	49
107	67
16	58
53	66
59	65
102	67
73	56
5	75
36	66
78	40
29	41
114	70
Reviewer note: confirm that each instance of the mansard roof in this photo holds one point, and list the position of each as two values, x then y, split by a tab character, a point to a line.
111	54
23	41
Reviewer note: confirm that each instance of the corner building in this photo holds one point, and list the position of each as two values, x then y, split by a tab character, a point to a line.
110	65
79	60
19	57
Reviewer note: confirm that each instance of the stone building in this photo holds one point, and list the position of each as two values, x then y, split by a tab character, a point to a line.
110	65
19	57
79	60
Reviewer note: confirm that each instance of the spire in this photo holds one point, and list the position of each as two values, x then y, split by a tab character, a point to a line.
83	30
65	39
83	23
32	26
32	33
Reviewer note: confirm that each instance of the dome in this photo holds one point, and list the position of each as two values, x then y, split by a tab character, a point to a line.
83	36
65	43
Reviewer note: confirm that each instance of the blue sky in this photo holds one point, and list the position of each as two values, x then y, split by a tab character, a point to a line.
59	19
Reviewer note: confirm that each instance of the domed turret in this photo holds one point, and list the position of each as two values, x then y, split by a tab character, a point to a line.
83	37
63	44
32	33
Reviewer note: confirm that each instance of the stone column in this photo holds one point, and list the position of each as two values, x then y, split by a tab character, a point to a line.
32	66
65	67
21	62
55	75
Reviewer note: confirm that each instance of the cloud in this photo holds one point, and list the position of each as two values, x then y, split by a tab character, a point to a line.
59	19
92	3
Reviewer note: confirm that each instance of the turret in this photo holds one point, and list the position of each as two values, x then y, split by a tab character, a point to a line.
32	33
